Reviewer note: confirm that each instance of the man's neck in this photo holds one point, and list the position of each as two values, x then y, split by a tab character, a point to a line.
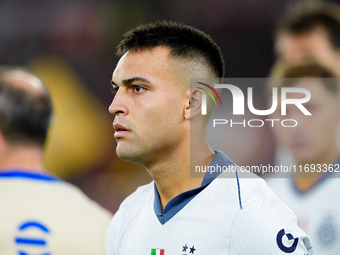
28	157
172	174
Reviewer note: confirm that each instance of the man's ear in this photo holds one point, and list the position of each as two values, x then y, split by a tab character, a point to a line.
193	107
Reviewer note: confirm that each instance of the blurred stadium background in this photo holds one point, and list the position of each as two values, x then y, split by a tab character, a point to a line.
70	45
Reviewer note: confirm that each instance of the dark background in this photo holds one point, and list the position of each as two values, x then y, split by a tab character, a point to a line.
70	44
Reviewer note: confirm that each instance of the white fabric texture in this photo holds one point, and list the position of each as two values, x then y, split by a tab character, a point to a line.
211	223
75	225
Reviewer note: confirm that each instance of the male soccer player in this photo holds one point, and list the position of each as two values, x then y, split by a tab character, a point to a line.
155	113
310	30
40	214
312	191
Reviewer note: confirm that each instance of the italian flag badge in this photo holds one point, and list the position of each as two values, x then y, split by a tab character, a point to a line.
157	252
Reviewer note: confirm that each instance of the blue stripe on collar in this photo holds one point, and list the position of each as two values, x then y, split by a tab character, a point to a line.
220	160
181	200
21	173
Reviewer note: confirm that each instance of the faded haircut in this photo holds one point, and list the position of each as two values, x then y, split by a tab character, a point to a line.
184	42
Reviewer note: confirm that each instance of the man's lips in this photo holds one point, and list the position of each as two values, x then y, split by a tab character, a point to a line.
120	130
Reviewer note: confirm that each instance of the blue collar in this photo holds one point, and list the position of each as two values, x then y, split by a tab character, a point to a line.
181	200
24	173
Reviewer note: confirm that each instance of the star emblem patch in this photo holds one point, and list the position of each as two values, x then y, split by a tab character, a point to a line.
187	249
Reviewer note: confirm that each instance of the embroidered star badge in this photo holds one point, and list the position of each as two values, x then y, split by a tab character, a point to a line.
185	247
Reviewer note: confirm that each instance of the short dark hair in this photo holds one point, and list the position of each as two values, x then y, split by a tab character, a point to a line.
182	40
293	72
306	15
24	117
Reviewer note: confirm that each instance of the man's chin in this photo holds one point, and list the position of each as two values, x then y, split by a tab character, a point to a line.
127	154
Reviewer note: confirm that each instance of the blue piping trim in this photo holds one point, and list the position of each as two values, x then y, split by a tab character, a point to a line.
29	175
181	200
238	188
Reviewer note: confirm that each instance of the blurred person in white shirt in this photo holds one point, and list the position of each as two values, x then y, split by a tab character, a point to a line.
40	213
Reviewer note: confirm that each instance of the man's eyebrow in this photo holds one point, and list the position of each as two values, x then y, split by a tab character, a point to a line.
137	78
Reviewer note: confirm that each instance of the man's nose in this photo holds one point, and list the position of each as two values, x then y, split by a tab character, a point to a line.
118	105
